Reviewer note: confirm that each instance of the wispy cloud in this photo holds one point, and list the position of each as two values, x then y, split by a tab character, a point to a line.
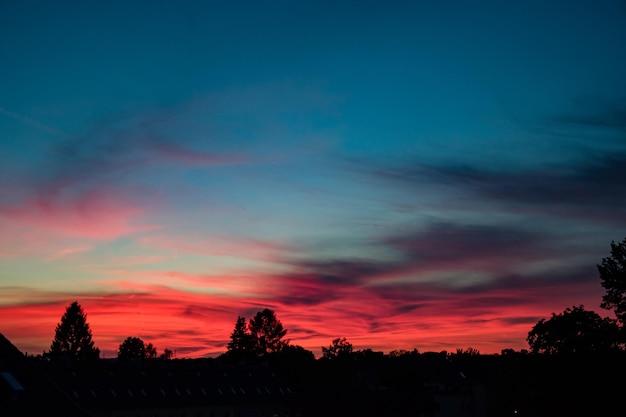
588	189
34	123
96	214
113	149
591	117
68	251
197	243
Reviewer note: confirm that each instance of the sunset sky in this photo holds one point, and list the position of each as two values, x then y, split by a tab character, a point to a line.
406	175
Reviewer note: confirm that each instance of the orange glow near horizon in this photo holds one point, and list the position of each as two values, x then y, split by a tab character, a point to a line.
198	325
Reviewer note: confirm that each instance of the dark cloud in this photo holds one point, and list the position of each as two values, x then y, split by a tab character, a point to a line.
441	242
304	331
593	188
344	272
493	252
587	183
489	287
494	293
185	332
308	299
407	308
596	184
200	311
519	320
309	289
316	282
592	112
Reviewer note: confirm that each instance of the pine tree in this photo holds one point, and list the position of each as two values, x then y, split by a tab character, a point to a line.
72	336
240	339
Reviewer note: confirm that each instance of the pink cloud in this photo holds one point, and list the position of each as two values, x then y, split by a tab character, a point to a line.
68	251
97	214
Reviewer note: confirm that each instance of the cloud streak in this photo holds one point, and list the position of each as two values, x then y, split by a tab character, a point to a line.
98	214
591	189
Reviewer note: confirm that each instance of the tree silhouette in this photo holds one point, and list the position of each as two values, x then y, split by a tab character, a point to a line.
166	355
340	348
72	336
295	354
267	333
135	348
613	276
151	351
240	339
576	330
470	351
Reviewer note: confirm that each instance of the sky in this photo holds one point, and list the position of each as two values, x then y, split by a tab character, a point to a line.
427	175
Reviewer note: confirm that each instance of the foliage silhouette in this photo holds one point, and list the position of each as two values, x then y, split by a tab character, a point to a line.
576	330
241	345
470	351
340	348
293	362
267	333
72	336
613	275
135	348
151	351
397	353
166	355
294	354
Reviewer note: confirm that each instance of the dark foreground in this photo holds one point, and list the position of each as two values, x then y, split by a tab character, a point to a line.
365	384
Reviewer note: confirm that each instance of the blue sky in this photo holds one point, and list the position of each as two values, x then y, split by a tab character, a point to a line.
459	167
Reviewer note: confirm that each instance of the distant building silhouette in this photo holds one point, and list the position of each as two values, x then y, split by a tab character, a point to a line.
151	388
191	388
26	390
370	386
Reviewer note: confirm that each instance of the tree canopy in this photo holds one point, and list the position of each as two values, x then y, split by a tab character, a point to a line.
267	332
261	336
72	336
340	348
135	348
613	275
576	330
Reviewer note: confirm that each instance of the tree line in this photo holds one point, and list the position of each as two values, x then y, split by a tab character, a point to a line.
576	330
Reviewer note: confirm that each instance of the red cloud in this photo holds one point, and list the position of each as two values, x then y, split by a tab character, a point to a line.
198	322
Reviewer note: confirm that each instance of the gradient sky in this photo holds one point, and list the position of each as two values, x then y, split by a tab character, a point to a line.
406	175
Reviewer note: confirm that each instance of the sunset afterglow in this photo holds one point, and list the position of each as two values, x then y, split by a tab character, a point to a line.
405	175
